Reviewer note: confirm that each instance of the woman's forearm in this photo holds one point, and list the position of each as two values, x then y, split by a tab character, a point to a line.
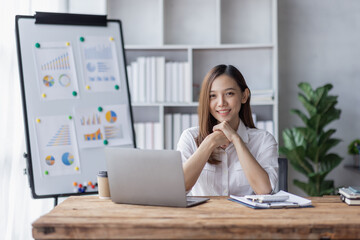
195	164
255	174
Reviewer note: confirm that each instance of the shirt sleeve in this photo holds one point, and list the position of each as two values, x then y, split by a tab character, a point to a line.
186	145
268	159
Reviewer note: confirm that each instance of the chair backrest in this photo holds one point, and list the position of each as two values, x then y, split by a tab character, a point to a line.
283	174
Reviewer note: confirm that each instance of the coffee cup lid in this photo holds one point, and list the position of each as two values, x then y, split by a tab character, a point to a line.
102	174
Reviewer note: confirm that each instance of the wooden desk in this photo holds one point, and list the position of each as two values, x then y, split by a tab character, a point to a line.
92	218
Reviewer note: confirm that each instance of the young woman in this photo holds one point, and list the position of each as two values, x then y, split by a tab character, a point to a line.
226	154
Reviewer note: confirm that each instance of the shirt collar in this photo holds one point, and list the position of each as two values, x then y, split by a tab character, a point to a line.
242	132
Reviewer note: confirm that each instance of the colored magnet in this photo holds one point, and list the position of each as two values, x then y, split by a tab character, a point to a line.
74	93
106	142
111	39
89	183
75	184
38	120
117	87
43	95
92	186
80	185
67	44
46	172
77	169
100	109
70	117
37	45
82	39
87	87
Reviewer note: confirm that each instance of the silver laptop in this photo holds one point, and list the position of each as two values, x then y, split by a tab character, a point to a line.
147	177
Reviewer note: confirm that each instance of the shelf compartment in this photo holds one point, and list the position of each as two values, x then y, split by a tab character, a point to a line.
146	113
190	22
246	60
171	55
246	21
141	20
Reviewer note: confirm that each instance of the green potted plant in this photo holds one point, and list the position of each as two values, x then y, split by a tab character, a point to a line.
307	148
354	149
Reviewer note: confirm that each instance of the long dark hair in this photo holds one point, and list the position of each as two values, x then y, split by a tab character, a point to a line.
206	120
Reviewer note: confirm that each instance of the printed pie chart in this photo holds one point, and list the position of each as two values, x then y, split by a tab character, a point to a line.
90	67
64	80
48	81
111	116
67	159
50	160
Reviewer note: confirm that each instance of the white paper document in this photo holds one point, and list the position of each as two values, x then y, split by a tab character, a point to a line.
292	201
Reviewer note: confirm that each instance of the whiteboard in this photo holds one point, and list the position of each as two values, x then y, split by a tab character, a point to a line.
76	102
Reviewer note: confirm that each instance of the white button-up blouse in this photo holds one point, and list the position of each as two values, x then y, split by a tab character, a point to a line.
228	177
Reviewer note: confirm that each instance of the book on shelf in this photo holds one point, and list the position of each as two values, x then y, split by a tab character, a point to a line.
266	125
135	81
176	129
175	124
142	82
160	79
151	79
148	135
185	122
158	141
194	120
148	80
168	90
168	122
262	95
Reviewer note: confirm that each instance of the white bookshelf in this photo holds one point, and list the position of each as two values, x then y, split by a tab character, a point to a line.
204	33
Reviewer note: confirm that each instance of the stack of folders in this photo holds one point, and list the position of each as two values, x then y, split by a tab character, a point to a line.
281	199
350	195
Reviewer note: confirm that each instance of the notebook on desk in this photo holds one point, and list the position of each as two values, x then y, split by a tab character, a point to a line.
291	201
147	177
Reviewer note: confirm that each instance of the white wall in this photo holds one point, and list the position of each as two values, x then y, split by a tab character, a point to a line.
319	42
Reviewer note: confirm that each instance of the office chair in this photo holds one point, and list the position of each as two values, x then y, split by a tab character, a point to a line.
283	174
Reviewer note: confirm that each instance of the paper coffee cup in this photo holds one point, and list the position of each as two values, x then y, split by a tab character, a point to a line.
103	185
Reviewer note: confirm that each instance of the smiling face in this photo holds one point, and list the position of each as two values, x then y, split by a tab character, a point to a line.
226	98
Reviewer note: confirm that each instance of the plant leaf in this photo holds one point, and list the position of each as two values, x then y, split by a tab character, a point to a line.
306	187
330	116
292	138
301	115
297	159
326	146
323	137
307	104
327	188
329	162
307	89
